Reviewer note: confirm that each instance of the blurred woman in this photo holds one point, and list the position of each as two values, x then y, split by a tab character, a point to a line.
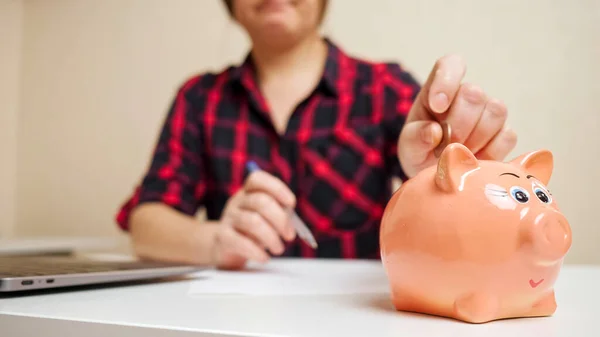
328	130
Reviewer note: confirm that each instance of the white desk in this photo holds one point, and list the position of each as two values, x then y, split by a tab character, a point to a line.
176	309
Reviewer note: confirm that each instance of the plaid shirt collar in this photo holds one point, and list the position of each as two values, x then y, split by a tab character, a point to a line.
245	73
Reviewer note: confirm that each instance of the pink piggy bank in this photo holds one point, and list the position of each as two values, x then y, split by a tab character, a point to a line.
475	240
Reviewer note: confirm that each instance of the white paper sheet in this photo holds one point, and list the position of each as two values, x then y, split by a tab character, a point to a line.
295	277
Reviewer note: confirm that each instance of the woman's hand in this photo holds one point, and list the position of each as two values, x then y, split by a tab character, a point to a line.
255	219
477	120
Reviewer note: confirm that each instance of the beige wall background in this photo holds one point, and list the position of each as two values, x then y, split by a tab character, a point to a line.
88	83
10	60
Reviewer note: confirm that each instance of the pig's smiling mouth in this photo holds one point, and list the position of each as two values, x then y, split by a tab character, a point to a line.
534	284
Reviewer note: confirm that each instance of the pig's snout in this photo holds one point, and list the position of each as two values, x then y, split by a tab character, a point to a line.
550	236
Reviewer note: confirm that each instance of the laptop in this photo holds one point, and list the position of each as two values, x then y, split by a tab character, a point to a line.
22	273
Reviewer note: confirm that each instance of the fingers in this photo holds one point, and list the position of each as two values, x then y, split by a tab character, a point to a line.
489	125
447	76
269	209
466	111
476	121
261	181
257	218
255	227
500	146
440	89
231	242
417	141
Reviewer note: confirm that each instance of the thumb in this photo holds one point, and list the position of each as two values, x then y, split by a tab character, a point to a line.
416	143
440	89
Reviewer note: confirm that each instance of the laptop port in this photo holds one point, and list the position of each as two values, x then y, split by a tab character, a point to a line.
27	282
50	280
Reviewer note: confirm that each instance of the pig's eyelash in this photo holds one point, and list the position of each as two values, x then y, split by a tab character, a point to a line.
496	192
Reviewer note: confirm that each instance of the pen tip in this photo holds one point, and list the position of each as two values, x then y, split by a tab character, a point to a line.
252	166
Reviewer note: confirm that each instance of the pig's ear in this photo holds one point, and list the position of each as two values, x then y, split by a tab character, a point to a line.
538	163
455	161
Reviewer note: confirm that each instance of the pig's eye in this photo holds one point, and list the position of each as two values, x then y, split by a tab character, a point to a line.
519	194
542	195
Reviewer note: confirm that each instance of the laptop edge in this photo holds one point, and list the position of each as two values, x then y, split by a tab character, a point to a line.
15	284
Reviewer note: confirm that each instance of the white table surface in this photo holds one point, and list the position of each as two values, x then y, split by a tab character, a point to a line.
178	309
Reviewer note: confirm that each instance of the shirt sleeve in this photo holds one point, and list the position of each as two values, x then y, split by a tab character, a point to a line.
401	90
175	176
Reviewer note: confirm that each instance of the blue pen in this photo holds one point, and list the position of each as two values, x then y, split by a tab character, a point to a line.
301	228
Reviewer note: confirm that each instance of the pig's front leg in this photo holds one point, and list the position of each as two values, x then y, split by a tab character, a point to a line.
546	306
476	308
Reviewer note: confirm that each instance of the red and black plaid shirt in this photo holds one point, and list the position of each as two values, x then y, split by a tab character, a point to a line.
338	154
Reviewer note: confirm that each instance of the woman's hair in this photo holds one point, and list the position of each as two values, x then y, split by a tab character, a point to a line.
229	6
